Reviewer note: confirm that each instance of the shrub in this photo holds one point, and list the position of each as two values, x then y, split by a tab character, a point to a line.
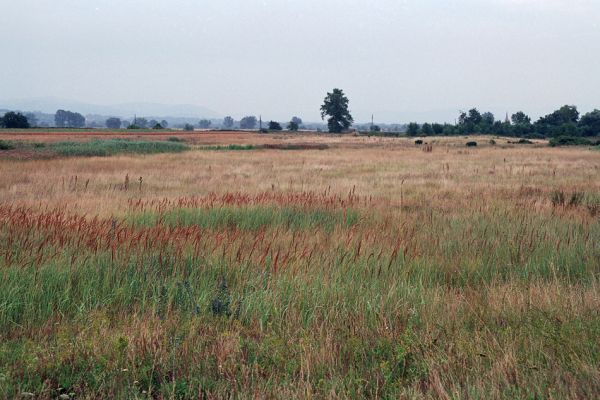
175	139
188	127
275	126
492	142
569	141
471	144
418	142
4	145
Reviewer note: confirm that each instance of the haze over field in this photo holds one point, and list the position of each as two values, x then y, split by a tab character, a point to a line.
401	60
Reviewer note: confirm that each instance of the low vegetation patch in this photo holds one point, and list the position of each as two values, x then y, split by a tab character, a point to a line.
521	141
299	146
287	146
4	145
104	148
571	141
230	147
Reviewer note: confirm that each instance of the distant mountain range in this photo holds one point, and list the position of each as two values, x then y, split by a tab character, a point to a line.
126	110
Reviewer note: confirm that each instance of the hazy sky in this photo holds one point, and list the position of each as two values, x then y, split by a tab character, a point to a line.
401	60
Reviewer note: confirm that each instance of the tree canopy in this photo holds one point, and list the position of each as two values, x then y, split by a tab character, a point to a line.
113	123
335	106
14	120
564	122
68	119
228	122
274	126
248	122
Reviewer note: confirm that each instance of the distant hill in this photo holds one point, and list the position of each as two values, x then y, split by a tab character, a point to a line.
126	110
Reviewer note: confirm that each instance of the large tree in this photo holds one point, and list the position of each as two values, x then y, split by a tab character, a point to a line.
413	129
335	106
68	119
488	118
14	120
204	124
248	122
589	124
228	122
564	115
274	126
113	123
293	126
520	118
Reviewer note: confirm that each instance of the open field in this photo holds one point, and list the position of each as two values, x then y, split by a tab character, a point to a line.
369	268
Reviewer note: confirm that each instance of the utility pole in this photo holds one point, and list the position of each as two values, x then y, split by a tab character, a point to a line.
260	122
372	122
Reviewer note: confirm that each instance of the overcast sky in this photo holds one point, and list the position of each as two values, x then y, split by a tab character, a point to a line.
401	60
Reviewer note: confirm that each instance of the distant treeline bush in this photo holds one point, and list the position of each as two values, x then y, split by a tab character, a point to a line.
564	122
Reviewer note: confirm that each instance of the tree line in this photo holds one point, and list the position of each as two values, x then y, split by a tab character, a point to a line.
564	122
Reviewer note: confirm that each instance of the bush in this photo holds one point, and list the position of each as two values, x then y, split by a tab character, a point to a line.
188	127
275	126
492	142
4	145
418	142
14	120
570	141
471	144
175	139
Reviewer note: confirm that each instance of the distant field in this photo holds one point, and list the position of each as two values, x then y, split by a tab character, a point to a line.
348	267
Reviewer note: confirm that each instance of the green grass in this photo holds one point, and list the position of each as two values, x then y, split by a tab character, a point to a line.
230	147
571	141
105	148
250	218
5	145
498	304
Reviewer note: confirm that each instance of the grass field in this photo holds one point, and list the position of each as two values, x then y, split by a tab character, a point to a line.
351	267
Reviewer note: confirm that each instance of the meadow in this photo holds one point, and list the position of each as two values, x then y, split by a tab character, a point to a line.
298	266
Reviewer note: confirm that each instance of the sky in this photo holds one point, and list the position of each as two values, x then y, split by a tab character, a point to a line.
410	60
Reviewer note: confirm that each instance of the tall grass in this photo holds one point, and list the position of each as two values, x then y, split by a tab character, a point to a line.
250	218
